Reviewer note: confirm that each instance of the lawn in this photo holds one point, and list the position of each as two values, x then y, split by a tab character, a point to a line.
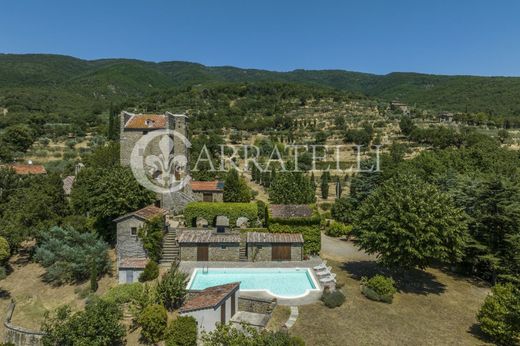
34	297
435	308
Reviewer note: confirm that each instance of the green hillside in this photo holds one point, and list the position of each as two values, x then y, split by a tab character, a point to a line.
79	82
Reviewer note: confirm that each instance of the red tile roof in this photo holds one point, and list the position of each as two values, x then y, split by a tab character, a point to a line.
216	186
135	263
27	169
264	237
146	213
210	298
147	121
290	210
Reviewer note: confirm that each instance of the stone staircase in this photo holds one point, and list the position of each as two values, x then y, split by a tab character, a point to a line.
170	250
243	249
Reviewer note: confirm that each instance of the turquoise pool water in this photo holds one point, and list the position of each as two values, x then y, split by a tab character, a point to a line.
282	282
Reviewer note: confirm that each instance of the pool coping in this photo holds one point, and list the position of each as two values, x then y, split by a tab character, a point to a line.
307	291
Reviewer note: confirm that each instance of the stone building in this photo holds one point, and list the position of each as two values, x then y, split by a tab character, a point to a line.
264	247
208	191
164	161
131	255
209	245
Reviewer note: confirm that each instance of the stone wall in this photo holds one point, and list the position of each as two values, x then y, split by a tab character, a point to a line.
217	196
262	252
230	253
17	335
257	305
127	244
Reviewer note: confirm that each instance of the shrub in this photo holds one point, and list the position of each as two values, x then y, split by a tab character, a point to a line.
182	332
69	255
150	272
153	321
337	229
98	324
379	287
5	250
124	293
333	299
171	290
262	212
152	235
499	316
210	211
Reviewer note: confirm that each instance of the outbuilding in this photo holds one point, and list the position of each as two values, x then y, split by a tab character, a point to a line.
208	245
263	246
217	304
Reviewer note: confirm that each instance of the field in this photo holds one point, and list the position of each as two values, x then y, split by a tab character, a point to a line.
434	308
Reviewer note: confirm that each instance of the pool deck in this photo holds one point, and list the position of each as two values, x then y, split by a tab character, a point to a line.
311	297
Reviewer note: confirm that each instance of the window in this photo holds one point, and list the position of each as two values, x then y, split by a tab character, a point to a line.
133	231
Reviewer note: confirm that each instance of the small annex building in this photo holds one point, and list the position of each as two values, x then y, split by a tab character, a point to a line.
131	255
264	247
208	191
217	304
208	245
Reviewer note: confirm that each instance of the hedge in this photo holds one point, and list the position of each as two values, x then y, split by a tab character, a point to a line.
210	211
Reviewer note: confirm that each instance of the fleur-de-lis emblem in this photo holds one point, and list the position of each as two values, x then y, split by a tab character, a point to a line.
166	168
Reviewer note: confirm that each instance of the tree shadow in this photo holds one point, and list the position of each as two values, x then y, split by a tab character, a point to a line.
5	294
412	281
477	333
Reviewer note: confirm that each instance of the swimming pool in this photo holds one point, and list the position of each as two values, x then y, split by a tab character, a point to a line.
279	282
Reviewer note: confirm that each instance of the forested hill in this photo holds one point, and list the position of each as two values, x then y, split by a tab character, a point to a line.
56	76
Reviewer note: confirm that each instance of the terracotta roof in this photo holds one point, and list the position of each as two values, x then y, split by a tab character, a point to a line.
67	184
210	298
136	263
147	213
27	169
147	121
207	236
212	186
264	237
290	210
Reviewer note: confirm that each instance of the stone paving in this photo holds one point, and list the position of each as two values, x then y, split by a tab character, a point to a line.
292	317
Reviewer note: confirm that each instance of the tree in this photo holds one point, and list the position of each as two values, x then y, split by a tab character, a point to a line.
235	188
291	188
503	134
499	316
182	332
225	334
342	210
153	321
406	125
69	256
97	325
408	223
324	186
106	194
171	290
18	137
104	156
5	251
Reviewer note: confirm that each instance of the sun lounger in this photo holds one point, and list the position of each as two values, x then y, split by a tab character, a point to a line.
322	266
331	278
325	271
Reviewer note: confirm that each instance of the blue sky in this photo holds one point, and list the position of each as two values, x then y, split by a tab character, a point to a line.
446	37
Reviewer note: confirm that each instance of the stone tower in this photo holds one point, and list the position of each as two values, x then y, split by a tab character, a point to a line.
133	127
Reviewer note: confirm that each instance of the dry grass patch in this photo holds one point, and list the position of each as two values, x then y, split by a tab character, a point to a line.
435	309
279	317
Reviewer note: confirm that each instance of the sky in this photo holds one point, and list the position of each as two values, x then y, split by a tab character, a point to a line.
479	37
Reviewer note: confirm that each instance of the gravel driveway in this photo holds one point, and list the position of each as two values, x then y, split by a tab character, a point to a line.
342	250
